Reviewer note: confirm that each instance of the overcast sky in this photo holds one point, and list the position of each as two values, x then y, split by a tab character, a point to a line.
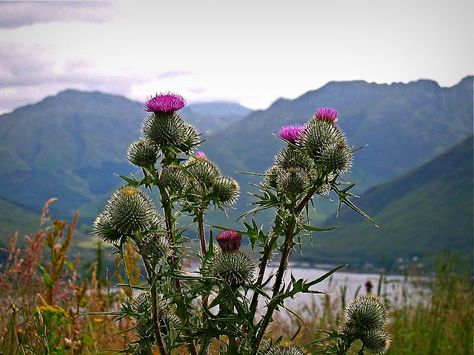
249	51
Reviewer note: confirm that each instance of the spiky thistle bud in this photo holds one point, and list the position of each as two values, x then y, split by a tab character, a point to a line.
291	133
320	134
104	229
190	138
268	349
229	240
165	129
166	311
128	211
142	153
336	158
294	181
225	191
202	171
173	178
364	314
156	246
293	157
271	176
376	341
326	114
236	268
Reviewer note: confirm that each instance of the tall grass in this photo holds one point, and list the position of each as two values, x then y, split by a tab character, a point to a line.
48	307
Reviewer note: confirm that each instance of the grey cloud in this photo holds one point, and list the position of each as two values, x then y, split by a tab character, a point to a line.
18	14
28	74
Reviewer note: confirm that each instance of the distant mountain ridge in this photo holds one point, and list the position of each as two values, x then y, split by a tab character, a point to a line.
424	212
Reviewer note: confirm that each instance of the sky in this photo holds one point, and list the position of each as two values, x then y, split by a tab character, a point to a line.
248	51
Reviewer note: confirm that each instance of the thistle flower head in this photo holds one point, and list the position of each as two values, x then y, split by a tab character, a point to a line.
235	268
128	211
168	102
376	341
229	240
225	191
142	153
326	114
291	133
200	155
364	314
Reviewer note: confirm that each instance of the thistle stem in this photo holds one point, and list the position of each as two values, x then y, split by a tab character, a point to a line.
202	236
287	245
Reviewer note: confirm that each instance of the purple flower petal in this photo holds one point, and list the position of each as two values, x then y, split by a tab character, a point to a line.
200	155
291	133
229	240
165	103
326	114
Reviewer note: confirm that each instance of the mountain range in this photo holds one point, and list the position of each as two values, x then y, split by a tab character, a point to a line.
70	145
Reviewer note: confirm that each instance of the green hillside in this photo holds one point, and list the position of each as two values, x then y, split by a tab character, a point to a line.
14	218
420	214
71	145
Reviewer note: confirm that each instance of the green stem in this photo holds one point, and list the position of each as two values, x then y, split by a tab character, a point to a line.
201	232
287	245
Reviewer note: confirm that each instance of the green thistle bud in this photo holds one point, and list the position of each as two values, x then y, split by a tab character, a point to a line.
165	129
294	181
157	247
104	229
202	171
276	350
293	157
336	158
364	314
272	175
190	138
142	153
129	211
166	311
225	191
320	134
141	304
376	341
144	328
236	268
173	178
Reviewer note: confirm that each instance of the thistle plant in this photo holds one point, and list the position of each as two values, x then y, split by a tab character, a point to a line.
217	302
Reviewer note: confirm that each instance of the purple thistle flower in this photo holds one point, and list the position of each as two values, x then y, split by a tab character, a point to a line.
291	133
229	240
165	103
200	155
326	114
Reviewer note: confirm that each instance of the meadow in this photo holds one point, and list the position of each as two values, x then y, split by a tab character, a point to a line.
50	305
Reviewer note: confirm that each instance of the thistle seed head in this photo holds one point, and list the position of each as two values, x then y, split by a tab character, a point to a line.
235	268
225	191
364	314
142	153
376	341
